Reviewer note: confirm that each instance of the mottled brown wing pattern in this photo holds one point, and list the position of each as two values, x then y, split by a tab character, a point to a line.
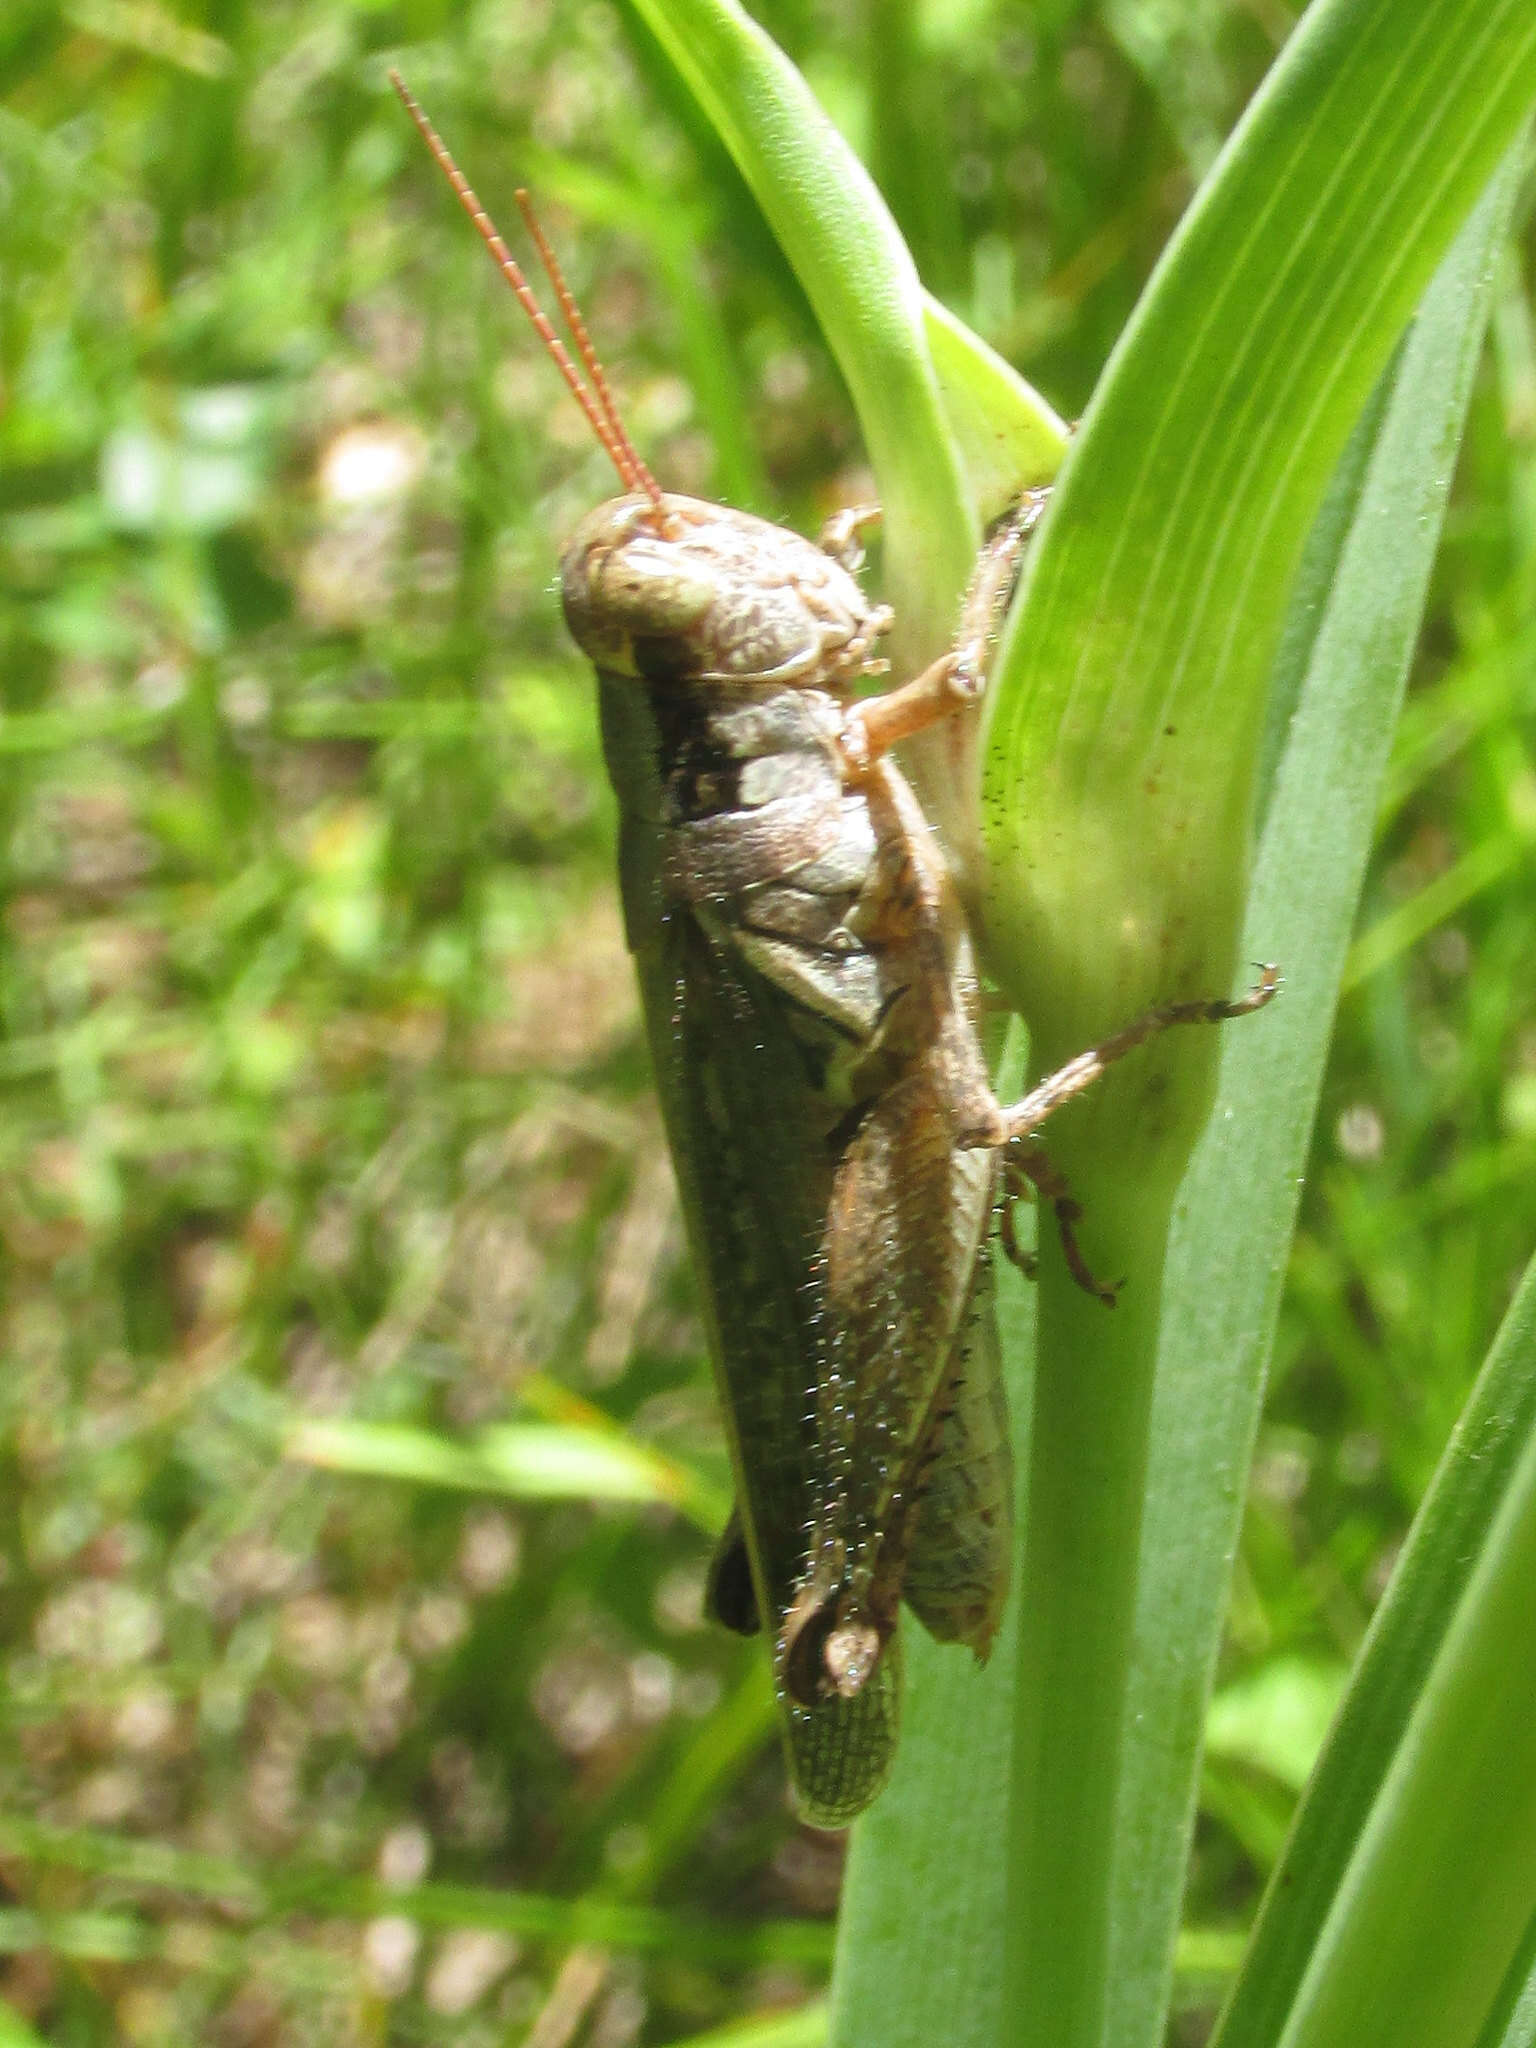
907	1218
750	1140
958	1562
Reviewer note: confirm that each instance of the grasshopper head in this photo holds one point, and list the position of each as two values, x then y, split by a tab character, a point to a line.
682	591
666	588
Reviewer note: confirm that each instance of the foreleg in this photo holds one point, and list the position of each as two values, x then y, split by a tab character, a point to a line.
841	536
958	677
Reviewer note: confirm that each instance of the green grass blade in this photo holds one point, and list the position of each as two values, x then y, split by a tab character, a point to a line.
1407	1889
1009	438
834	227
181	1946
952	432
1237	1206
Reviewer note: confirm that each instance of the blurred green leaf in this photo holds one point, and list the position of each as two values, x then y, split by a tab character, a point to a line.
806	2028
531	1460
280	1889
203	478
1276	1717
14	2031
154	30
180	1945
1504	854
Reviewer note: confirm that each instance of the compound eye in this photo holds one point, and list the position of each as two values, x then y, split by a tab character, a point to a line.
652	590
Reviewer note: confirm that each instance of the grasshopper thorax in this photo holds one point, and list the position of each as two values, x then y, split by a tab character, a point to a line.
679	590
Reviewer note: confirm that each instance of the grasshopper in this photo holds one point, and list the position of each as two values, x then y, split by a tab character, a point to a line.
809	993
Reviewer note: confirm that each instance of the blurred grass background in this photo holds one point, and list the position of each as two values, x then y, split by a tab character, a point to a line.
326	1140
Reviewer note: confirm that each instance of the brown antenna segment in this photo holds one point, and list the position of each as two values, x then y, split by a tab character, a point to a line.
602	414
578	332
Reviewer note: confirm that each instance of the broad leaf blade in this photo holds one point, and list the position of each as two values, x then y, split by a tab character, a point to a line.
1121	767
1237	1207
1122	729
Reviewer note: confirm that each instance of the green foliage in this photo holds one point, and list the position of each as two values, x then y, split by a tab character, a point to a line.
326	1129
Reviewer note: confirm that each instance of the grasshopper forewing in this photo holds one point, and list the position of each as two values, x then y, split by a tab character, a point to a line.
808	990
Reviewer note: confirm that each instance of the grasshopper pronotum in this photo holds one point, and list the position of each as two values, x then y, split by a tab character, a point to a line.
808	990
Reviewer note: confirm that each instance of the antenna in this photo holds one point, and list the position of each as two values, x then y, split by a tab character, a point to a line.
578	331
602	414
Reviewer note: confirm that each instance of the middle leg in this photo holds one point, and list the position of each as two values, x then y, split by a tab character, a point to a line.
1024	1167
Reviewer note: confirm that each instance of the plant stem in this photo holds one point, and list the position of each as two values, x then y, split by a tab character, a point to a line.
1077	1601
